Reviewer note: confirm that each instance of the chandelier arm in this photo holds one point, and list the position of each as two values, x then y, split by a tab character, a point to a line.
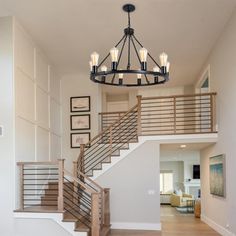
122	48
136	51
109	52
148	52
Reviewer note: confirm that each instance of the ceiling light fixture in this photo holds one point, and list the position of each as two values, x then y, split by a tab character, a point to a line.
183	146
116	76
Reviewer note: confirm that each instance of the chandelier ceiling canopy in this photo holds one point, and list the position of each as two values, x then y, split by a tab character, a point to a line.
129	48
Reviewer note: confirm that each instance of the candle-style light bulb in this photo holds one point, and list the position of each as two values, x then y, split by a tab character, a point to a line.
143	52
114	58
114	54
168	67
104	69
139	76
94	58
156	69
91	65
163	59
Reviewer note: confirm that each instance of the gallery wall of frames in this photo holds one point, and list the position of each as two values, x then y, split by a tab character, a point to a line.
80	122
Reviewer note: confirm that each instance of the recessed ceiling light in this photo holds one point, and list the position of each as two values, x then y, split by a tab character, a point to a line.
183	146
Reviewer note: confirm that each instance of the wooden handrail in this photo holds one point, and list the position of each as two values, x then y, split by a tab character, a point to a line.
178	96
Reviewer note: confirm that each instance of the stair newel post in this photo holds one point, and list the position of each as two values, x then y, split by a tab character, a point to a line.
106	207
95	222
81	162
60	184
139	129
110	141
75	184
21	183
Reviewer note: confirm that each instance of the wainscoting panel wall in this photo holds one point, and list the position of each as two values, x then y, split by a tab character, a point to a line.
37	102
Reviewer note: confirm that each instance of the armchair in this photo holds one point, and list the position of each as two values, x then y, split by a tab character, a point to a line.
180	201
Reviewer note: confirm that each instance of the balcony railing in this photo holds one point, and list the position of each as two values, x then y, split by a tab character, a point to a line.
178	114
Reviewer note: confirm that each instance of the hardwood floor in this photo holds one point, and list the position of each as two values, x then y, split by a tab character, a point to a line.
173	224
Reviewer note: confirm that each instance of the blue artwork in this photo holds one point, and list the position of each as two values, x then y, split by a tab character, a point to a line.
217	175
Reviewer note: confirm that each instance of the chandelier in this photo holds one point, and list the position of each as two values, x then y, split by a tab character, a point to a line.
141	75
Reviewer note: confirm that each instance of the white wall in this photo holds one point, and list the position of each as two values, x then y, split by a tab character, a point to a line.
73	86
37	99
7	121
221	212
8	225
134	183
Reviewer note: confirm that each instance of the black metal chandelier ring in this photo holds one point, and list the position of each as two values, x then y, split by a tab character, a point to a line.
99	72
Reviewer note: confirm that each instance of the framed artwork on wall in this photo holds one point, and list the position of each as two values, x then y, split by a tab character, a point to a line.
79	138
80	104
80	122
217	175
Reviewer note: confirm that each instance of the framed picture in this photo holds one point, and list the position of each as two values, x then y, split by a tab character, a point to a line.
217	175
80	104
79	138
79	122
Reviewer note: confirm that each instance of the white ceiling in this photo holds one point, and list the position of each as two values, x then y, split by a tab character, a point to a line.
69	30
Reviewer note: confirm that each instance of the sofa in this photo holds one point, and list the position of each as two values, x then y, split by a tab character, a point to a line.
180	200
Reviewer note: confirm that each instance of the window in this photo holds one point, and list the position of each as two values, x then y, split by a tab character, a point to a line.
166	182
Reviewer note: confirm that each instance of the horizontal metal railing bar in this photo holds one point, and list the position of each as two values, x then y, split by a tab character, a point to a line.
178	109
172	105
171	117
172	101
165	130
114	124
103	146
90	151
164	122
107	147
39	179
143	127
87	170
33	205
79	182
35	194
79	189
41	174
37	163
27	189
177	113
32	199
88	206
39	184
73	204
101	159
86	224
36	169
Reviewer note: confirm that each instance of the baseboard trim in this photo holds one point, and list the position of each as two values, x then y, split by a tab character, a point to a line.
137	226
218	228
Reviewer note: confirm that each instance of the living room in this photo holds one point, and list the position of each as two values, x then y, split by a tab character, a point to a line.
180	184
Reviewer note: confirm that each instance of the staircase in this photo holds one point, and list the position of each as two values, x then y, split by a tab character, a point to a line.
123	132
79	205
76	201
